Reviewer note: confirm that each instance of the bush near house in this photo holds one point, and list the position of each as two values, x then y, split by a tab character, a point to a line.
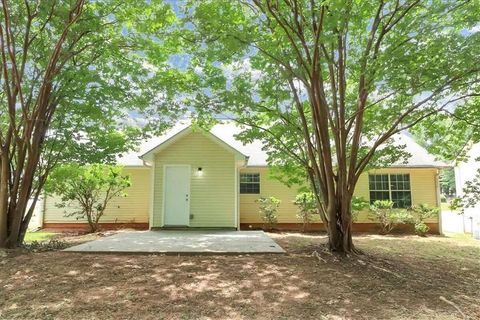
358	204
269	211
421	213
307	208
388	216
89	188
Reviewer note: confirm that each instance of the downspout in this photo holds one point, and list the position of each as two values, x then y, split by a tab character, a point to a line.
237	190
151	192
437	187
237	202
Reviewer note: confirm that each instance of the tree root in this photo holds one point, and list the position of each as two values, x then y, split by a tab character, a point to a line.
357	252
387	271
317	255
453	305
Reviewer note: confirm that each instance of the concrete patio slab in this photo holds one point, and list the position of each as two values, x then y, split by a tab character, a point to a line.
183	242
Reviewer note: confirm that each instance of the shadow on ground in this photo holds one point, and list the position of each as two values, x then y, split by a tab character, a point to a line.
397	278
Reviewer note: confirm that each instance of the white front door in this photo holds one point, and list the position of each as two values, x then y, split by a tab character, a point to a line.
177	195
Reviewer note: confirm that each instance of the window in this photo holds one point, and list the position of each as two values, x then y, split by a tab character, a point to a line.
394	187
250	183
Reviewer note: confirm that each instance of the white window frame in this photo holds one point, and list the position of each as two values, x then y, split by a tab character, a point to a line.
249	173
390	185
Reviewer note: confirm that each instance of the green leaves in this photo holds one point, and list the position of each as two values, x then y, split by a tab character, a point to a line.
471	194
423	48
387	216
89	188
69	180
268	209
78	86
459	126
327	84
421	213
307	208
104	91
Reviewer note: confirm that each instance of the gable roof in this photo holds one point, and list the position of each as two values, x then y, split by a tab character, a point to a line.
419	155
185	130
254	153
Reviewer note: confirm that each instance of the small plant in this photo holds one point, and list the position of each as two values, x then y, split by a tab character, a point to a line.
423	212
307	207
389	217
269	211
358	204
421	228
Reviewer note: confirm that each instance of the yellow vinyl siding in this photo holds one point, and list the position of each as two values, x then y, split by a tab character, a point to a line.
422	183
212	195
133	208
268	187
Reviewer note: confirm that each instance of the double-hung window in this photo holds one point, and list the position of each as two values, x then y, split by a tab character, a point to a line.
250	183
393	187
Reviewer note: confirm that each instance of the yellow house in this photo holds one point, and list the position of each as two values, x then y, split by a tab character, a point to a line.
196	179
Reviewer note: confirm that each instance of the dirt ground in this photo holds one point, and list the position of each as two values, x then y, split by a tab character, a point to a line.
404	277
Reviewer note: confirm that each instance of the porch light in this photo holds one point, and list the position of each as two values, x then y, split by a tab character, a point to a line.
199	171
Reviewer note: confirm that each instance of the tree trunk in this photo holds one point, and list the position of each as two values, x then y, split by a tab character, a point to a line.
91	224
340	239
18	209
3	202
26	220
340	227
93	227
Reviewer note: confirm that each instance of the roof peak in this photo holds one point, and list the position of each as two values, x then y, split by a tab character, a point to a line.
224	132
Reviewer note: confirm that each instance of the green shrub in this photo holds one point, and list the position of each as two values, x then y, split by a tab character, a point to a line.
88	189
269	211
307	207
389	217
421	229
358	204
421	213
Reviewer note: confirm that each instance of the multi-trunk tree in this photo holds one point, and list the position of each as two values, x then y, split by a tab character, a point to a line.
86	191
329	83
72	74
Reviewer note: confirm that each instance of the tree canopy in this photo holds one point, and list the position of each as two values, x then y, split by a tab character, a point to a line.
459	125
75	75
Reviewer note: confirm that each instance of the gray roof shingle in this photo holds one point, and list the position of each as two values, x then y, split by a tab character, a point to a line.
258	157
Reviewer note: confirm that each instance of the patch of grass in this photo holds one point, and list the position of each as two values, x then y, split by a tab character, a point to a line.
462	237
38	236
436	249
